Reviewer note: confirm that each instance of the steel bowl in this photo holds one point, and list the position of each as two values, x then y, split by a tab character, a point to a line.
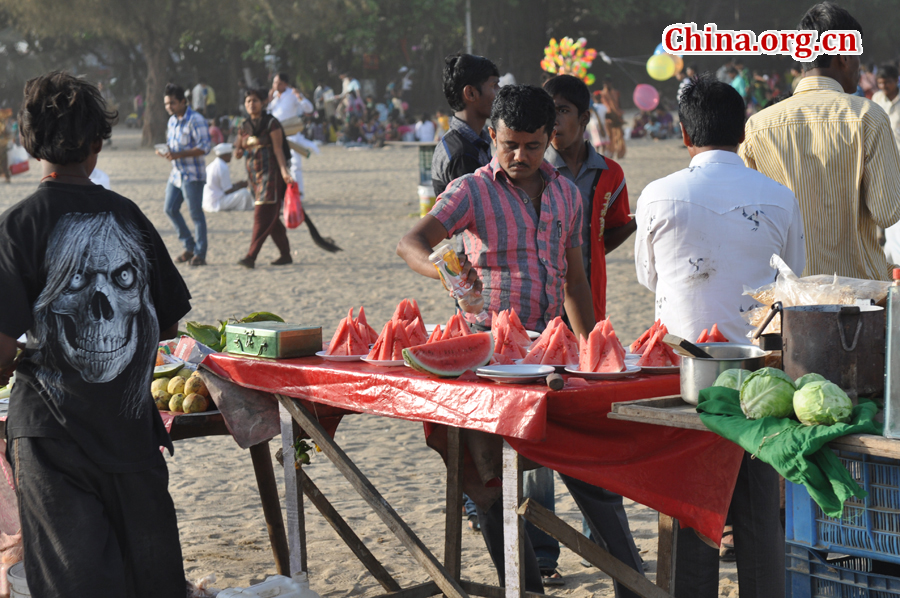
697	374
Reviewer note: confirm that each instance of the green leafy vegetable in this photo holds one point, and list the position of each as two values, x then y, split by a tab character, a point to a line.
822	403
767	393
807	378
732	378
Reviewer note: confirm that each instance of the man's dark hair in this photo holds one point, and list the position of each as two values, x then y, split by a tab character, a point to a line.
712	112
572	89
174	91
887	71
465	69
823	17
61	117
523	108
284	78
261	94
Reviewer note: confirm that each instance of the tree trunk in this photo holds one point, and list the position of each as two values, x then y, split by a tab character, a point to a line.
155	117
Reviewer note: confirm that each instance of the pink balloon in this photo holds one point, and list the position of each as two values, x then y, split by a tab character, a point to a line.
645	97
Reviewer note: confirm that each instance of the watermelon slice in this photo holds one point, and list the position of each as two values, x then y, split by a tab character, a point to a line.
612	359
557	349
338	344
704	336
498	359
456	326
392	340
655	353
416	332
435	334
363	325
401	341
715	336
348	339
637	347
452	357
519	334
591	350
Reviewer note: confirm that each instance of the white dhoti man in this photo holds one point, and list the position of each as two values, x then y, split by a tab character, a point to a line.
283	106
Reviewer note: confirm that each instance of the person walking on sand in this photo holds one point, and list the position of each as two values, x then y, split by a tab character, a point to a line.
262	138
187	141
615	119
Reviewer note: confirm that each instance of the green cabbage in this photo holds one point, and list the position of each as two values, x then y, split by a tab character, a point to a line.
732	378
767	393
807	378
822	403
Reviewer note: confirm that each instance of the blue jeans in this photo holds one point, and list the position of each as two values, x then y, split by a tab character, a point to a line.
537	484
193	192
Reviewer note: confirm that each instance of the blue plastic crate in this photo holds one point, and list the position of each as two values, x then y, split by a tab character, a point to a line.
869	527
809	575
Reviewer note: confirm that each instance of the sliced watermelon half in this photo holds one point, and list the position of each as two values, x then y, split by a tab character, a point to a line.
452	357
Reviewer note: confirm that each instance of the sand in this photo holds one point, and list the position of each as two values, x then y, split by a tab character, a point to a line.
366	200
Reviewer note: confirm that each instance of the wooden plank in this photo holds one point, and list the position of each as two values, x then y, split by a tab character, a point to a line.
577	543
420	591
268	495
480	589
353	542
453	519
868	444
370	494
666	553
293	499
513	526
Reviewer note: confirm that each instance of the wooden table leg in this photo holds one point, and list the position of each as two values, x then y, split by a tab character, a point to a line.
513	526
453	520
268	494
666	552
293	499
380	506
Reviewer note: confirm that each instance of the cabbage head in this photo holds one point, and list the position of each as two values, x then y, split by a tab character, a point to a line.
732	378
822	403
807	378
767	392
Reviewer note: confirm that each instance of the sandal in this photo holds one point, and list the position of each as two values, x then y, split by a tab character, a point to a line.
473	523
552	577
726	551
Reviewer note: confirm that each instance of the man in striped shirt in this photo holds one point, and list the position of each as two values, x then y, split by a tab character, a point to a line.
836	152
521	224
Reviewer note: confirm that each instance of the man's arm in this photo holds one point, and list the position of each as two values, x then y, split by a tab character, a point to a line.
880	187
237	186
417	244
579	306
613	237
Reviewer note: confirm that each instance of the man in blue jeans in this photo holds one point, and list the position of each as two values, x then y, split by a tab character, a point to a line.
187	141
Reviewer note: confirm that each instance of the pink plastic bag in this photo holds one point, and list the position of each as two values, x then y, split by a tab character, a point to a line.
293	209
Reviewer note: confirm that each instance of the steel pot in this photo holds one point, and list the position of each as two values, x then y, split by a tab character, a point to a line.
844	343
697	373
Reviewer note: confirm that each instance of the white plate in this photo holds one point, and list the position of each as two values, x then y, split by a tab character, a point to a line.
429	328
515	371
668	369
630	370
532	334
511	379
552	365
328	357
384	363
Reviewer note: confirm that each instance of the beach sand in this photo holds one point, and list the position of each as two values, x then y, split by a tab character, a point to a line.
365	199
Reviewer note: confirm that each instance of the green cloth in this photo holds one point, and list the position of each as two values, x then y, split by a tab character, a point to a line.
796	451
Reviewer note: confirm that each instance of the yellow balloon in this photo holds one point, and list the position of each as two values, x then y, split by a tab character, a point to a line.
661	67
679	63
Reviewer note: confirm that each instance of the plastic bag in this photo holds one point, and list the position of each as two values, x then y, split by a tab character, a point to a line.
17	159
202	589
821	289
293	209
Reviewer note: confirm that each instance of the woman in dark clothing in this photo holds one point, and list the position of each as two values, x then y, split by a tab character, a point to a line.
262	138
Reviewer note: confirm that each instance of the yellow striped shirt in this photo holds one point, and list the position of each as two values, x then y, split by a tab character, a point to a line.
836	152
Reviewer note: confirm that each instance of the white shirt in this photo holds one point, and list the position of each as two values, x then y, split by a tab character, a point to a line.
348	85
218	181
892	107
425	131
285	105
706	232
198	97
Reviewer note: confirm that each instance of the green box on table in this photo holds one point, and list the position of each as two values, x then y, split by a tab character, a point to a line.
275	340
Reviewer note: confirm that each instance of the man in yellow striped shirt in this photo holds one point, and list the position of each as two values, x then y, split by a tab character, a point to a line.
836	152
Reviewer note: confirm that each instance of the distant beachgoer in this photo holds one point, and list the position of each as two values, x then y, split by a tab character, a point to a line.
215	133
424	129
198	98
219	195
287	102
262	138
187	140
210	101
615	119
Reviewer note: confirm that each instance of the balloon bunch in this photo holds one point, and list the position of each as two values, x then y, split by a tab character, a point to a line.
662	65
569	57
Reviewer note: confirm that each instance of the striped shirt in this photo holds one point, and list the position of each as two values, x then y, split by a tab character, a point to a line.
836	152
185	133
520	258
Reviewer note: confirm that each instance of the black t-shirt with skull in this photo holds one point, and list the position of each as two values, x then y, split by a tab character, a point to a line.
87	276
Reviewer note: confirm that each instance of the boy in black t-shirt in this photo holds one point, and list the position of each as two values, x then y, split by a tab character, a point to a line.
87	276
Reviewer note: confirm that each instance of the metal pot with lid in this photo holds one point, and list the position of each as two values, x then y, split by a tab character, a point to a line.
843	343
698	373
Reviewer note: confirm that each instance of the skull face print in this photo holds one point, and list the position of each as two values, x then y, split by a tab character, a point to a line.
96	312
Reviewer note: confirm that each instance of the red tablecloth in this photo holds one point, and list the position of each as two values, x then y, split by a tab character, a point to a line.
684	473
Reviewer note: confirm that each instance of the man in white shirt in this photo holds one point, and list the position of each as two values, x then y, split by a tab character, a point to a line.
888	97
348	84
286	102
198	98
704	233
424	129
219	195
